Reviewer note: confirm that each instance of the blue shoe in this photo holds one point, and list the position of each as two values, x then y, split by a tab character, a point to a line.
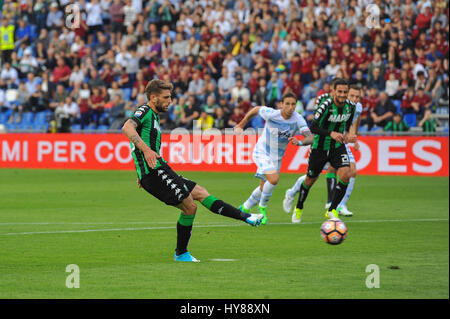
254	219
186	257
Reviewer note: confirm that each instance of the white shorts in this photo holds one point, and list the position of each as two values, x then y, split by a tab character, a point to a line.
350	157
265	164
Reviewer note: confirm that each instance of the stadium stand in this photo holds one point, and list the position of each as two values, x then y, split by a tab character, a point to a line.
86	46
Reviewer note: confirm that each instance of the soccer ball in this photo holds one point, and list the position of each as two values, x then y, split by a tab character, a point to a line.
333	231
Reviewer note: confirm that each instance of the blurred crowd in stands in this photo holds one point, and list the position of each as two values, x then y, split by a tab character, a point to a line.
85	64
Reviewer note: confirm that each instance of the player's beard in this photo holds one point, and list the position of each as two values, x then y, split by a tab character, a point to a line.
159	106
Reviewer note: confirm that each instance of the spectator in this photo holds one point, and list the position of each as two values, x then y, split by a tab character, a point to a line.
37	101
392	85
239	91
376	80
96	105
77	76
396	124
196	85
407	99
332	68
226	82
274	88
236	117
382	113
55	17
190	113
10	76
61	73
117	18
114	91
117	113
205	121
210	106
59	97
429	124
220	121
28	63
94	16
421	103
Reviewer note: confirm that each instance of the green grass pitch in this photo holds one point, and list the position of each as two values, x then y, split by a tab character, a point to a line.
123	240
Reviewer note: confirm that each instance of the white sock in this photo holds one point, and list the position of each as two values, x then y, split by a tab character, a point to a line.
292	192
266	194
253	199
348	192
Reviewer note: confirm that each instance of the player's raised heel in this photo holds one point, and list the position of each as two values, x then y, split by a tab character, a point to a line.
327	205
332	215
287	202
254	219
186	257
297	216
262	210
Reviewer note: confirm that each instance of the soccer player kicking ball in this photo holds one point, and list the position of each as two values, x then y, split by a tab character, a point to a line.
158	179
331	119
280	127
354	95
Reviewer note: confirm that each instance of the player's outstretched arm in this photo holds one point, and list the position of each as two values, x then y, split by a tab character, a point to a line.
308	140
240	126
129	129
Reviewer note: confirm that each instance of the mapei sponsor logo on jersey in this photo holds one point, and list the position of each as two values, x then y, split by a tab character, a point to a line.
339	117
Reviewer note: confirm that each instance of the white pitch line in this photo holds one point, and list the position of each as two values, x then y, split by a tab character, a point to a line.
215	225
82	223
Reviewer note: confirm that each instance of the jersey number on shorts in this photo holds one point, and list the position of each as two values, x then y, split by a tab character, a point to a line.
345	159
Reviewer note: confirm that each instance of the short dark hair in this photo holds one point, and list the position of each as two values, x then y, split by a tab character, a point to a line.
156	86
287	95
339	81
354	86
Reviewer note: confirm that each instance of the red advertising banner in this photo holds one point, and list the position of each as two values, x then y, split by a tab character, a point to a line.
426	156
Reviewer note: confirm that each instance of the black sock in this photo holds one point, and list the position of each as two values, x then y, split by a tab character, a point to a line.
331	183
304	190
218	206
183	236
339	193
184	230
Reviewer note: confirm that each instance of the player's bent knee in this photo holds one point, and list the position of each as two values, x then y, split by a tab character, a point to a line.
345	174
191	209
199	193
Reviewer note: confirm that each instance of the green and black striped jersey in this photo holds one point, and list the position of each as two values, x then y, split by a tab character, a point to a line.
149	130
329	117
396	127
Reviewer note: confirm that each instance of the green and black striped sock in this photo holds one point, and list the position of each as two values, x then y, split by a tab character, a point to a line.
218	206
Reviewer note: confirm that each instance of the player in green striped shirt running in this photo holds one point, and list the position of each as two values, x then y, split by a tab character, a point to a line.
158	179
331	125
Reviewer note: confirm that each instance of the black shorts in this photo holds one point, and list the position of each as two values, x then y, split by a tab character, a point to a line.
116	27
337	157
166	185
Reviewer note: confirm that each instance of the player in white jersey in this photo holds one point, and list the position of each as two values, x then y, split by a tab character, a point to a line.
279	130
354	95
